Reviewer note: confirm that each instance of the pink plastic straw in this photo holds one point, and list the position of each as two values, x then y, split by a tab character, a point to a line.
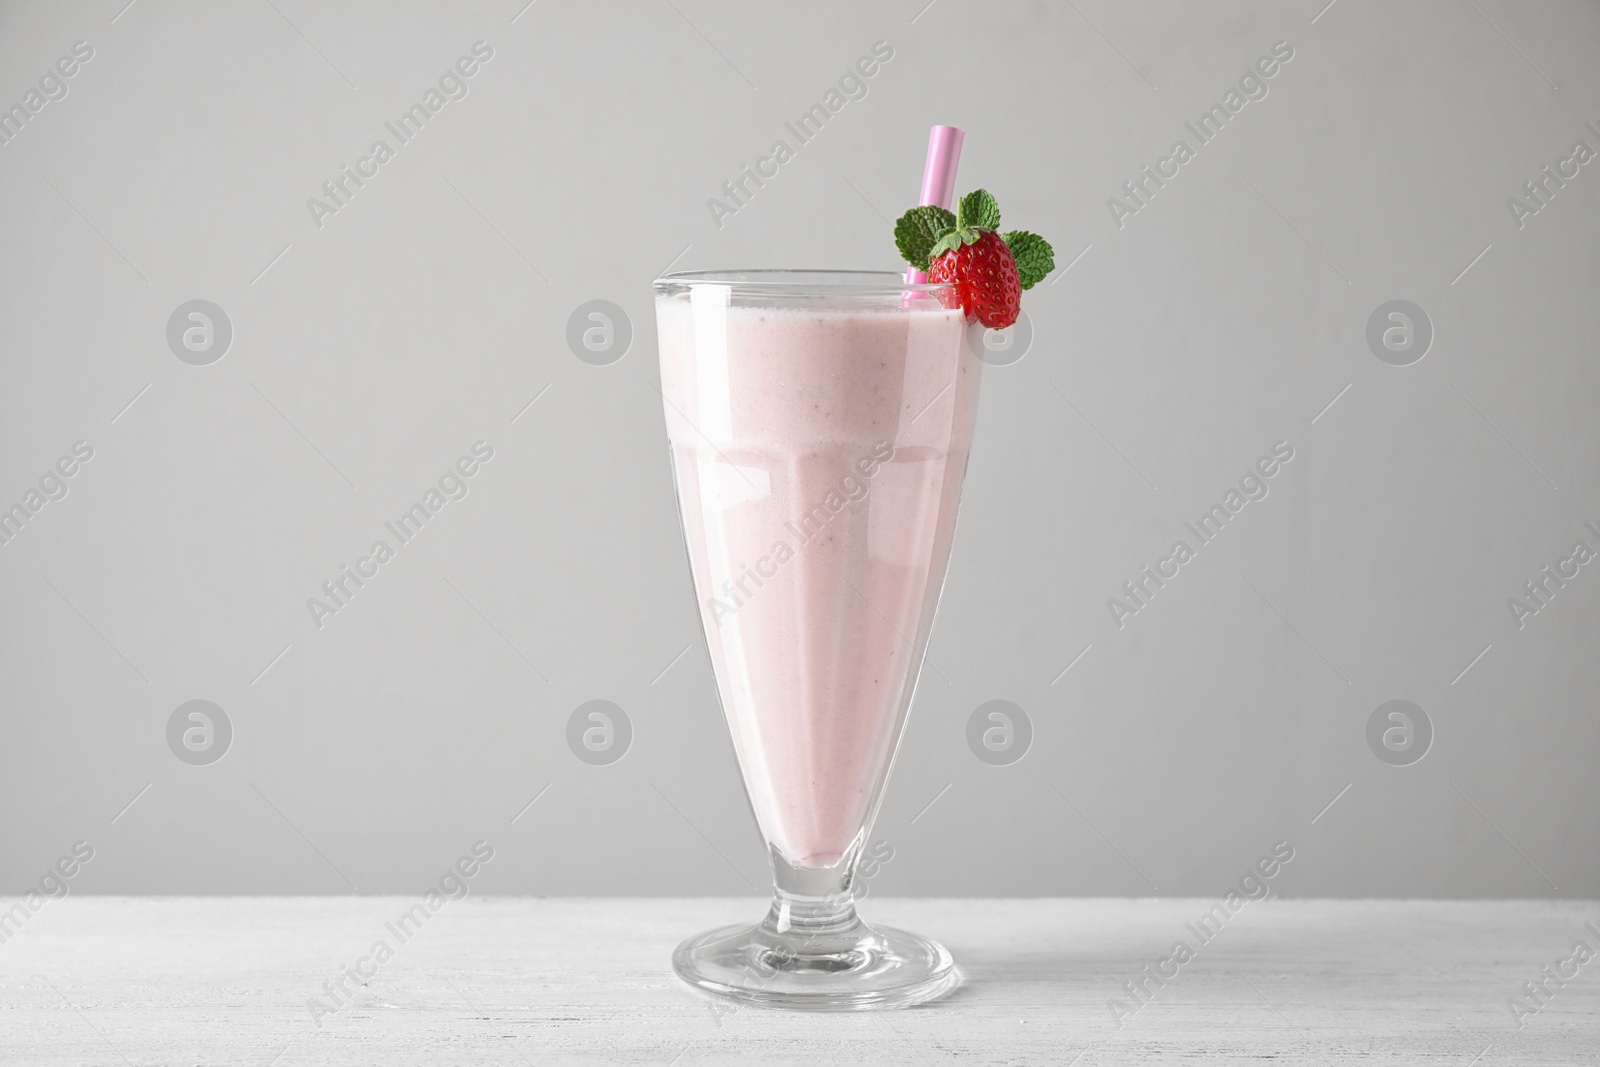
939	177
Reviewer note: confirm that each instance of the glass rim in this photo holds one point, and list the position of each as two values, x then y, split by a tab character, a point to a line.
768	281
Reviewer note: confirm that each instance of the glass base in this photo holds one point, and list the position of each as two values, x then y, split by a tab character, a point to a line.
842	965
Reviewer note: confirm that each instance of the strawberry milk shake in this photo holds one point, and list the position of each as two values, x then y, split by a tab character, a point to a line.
820	423
819	449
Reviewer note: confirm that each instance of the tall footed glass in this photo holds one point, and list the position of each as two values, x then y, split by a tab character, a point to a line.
819	424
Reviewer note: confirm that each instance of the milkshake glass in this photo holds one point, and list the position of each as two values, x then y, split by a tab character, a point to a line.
819	424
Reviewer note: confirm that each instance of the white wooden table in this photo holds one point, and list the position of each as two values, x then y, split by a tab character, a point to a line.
105	980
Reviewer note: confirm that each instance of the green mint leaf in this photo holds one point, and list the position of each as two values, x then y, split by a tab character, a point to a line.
916	231
1034	256
978	208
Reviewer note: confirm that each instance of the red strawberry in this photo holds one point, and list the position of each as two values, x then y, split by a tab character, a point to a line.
989	270
986	281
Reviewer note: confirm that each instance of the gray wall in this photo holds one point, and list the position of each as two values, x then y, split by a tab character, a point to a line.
370	352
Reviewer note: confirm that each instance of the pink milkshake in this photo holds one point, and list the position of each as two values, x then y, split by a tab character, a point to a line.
819	424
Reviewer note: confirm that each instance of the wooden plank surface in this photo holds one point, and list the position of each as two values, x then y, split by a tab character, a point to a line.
106	980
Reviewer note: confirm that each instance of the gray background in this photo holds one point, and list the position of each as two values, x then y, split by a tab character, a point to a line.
370	353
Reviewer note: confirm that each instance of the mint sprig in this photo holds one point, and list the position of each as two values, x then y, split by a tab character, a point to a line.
926	232
975	213
977	209
1035	258
916	231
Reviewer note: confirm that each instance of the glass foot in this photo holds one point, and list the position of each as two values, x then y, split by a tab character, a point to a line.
840	966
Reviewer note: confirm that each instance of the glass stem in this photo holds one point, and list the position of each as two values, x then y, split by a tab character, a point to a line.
814	901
